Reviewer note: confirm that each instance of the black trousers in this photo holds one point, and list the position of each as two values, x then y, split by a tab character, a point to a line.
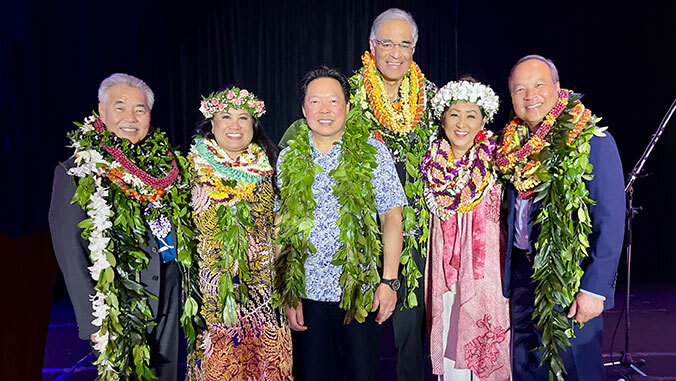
409	330
327	350
582	360
164	336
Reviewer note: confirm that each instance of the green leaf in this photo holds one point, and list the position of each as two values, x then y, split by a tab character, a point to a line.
86	224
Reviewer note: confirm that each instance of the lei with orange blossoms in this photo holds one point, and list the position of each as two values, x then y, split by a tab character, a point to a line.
521	162
552	167
402	116
404	127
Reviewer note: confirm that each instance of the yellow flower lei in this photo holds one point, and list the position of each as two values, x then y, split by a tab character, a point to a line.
217	190
402	116
229	189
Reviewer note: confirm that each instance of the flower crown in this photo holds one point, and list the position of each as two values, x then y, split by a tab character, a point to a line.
465	91
232	97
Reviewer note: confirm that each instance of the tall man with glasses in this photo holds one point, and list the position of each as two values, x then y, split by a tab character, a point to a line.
391	94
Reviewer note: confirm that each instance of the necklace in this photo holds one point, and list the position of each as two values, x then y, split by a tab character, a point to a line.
250	166
224	179
457	185
130	167
519	161
401	116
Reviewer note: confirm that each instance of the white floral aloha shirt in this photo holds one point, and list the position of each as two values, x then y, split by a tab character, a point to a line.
321	277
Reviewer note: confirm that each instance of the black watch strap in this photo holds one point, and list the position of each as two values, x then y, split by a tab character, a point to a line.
393	283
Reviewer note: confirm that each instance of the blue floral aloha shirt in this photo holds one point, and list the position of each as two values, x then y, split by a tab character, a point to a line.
321	277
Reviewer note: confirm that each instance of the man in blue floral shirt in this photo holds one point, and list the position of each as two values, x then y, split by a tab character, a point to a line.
317	320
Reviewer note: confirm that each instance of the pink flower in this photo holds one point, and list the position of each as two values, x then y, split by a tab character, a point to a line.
230	94
214	101
243	93
237	101
221	106
481	135
200	199
251	104
204	105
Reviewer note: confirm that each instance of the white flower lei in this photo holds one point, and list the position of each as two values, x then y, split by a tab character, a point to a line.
99	211
455	91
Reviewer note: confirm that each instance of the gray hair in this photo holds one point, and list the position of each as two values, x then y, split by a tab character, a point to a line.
547	61
129	80
391	15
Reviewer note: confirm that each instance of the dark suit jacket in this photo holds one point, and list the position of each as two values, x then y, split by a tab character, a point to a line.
607	215
72	253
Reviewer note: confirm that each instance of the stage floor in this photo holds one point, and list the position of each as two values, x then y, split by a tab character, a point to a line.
653	338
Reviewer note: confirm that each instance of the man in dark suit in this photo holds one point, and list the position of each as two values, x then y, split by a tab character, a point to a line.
124	109
536	97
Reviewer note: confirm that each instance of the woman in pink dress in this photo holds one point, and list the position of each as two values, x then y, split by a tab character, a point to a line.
468	317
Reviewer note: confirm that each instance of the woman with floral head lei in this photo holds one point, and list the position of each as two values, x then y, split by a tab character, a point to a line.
468	318
232	163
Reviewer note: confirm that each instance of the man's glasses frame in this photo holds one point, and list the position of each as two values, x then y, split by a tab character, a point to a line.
388	45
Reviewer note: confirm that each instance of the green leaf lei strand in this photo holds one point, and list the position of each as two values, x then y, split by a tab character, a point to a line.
359	233
564	224
116	231
231	185
233	223
296	213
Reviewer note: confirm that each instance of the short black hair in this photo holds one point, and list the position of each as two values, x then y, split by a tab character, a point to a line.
325	72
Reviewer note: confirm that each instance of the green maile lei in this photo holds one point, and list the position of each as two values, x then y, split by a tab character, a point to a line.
233	221
564	224
411	148
123	307
359	254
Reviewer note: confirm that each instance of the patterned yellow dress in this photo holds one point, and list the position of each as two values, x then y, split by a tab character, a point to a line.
258	345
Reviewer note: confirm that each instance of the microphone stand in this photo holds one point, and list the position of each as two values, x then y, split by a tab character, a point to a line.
626	359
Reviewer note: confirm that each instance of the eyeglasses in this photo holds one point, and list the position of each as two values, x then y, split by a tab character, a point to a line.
388	45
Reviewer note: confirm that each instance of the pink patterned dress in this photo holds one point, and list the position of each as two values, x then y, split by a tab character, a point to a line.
468	317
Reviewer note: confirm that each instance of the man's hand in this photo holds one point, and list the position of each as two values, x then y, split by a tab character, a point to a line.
295	316
585	307
385	298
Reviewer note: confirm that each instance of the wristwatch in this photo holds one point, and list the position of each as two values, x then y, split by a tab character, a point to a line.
393	283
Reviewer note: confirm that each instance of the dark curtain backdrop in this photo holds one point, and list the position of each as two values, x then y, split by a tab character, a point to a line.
54	54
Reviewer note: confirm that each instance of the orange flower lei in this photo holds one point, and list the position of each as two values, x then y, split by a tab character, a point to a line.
581	116
402	116
518	161
116	176
521	160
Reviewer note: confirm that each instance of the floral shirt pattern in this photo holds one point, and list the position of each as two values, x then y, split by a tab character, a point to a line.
321	277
